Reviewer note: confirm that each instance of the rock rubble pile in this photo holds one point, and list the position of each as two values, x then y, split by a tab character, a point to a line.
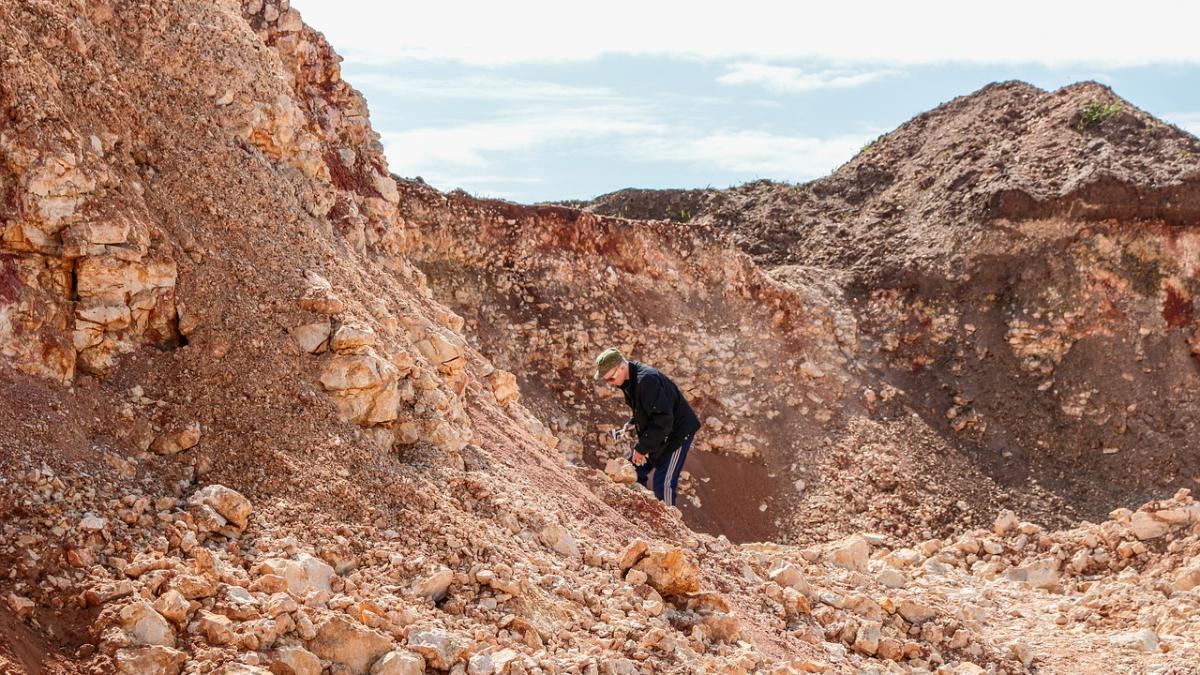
243	433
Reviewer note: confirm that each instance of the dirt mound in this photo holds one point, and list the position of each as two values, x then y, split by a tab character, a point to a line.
920	197
240	436
1020	264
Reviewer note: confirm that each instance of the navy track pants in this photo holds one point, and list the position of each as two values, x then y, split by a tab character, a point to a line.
666	477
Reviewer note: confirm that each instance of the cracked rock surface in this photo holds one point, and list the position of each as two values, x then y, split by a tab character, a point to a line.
268	409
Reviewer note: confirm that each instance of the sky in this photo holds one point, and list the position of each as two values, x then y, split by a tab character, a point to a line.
546	101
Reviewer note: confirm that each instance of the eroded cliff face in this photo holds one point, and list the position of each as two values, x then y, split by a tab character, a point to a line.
241	433
1055	338
1020	265
130	167
1064	355
801	441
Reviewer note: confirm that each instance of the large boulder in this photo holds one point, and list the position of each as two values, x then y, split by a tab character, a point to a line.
303	575
915	611
152	660
217	629
399	662
434	586
20	605
619	667
177	440
670	572
312	337
890	577
620	470
295	660
1146	526
441	649
237	603
851	553
352	337
443	349
633	552
866	640
145	626
1038	574
194	586
1142	641
318	296
122	302
504	387
493	663
560	540
350	644
902	558
173	606
229	503
1157	518
788	575
1005	522
1187	578
364	387
721	628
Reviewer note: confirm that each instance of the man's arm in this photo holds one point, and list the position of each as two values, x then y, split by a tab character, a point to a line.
661	419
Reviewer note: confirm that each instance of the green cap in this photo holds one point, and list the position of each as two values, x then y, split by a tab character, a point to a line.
609	358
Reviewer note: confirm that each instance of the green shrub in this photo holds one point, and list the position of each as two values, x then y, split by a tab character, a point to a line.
1095	112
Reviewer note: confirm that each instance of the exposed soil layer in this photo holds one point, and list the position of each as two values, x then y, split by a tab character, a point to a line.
242	432
803	441
1021	264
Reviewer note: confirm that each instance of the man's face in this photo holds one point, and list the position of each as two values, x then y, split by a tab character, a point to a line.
616	376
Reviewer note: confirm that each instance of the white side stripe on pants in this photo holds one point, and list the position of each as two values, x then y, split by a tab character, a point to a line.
668	491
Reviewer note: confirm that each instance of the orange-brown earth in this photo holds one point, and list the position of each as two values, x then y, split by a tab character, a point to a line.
1022	268
267	409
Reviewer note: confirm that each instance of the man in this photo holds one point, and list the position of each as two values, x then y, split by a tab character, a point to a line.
665	423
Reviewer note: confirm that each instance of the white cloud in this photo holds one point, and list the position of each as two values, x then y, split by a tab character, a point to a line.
1188	121
477	87
453	156
505	180
481	186
794	80
756	152
876	31
414	151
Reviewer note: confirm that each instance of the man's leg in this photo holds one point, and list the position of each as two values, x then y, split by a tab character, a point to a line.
666	477
659	474
674	468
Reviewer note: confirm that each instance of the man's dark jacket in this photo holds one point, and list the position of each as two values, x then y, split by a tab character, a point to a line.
661	414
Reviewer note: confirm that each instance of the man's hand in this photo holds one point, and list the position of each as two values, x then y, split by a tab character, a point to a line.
638	458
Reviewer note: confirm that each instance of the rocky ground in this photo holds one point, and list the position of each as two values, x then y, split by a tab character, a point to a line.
268	410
